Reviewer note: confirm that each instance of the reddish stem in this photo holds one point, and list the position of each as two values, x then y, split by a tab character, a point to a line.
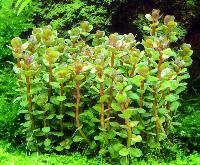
155	114
29	98
102	112
160	61
142	95
133	70
50	80
112	60
19	77
127	123
78	124
61	106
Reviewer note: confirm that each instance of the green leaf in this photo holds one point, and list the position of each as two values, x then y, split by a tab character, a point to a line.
172	84
70	113
79	77
97	107
117	147
93	145
59	148
120	98
104	98
99	138
162	111
134	123
135	152
126	114
114	124
35	112
127	88
58	133
174	105
124	152
136	138
122	134
61	98
124	161
95	88
46	129
148	17
152	79
77	138
166	72
23	111
59	116
116	106
27	124
47	142
119	86
140	110
23	5
18	3
55	85
171	97
137	80
111	134
173	38
50	116
146	28
54	100
133	96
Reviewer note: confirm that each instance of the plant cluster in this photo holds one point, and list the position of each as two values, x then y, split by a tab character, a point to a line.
188	131
67	15
141	21
10	155
100	91
11	25
9	120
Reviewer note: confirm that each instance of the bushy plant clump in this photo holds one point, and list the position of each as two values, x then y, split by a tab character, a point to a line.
9	155
65	15
9	120
188	131
100	93
11	25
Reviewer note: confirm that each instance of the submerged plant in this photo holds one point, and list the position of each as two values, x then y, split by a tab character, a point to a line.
101	91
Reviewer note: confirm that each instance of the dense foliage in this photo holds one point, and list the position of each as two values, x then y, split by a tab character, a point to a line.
188	131
100	91
67	15
11	25
96	93
9	124
9	155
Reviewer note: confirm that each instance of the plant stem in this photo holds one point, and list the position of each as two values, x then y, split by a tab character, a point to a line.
50	80
112	60
29	98
111	90
61	106
127	122
45	122
169	112
133	70
78	124
129	132
102	112
141	95
110	101
155	115
19	77
155	102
